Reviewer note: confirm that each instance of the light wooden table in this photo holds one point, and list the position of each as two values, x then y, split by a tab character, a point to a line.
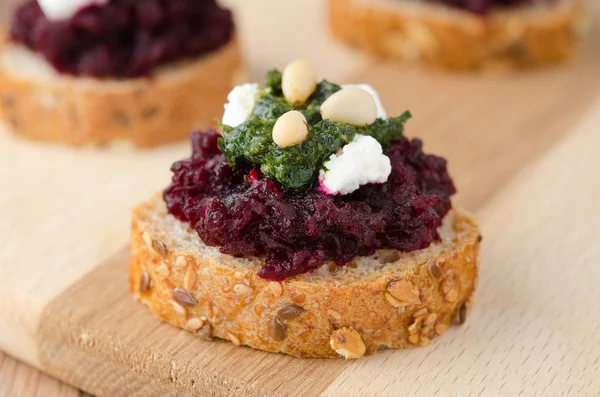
21	380
16	378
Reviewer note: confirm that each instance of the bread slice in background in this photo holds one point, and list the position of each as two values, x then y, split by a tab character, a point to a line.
539	33
38	103
388	300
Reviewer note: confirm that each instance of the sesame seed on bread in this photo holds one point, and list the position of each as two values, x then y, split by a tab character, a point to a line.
435	34
38	103
387	300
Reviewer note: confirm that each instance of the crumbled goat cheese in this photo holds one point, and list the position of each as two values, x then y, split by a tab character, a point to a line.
59	10
360	162
240	102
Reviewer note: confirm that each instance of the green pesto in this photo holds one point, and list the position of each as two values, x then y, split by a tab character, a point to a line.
386	131
298	166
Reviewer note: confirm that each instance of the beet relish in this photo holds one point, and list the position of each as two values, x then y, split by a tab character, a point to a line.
125	38
245	213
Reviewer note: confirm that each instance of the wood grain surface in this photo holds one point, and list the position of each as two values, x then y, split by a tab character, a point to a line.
20	380
63	308
531	331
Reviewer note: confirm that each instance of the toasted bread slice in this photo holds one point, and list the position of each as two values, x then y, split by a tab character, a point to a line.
418	30
38	103
388	300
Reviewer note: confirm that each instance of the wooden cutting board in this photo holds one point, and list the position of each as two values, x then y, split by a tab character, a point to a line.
524	151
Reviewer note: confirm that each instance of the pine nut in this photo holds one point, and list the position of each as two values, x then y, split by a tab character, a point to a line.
298	81
290	129
351	105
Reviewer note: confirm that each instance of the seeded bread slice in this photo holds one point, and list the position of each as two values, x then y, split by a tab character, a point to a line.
418	30
38	103
388	300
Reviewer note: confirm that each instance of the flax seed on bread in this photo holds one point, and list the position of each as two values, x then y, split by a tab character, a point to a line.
388	300
535	34
38	103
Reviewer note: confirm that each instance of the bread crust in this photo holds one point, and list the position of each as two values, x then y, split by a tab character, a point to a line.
233	303
445	37
142	112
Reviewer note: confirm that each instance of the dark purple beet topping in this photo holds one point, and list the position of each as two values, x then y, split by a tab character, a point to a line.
125	38
481	7
245	213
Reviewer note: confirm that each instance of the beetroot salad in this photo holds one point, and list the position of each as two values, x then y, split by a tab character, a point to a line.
238	194
124	38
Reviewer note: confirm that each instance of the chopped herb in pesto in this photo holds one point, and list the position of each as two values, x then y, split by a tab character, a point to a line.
297	166
273	83
386	131
270	107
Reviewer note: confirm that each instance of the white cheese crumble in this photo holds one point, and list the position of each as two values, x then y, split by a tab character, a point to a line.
58	10
360	162
240	102
381	113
